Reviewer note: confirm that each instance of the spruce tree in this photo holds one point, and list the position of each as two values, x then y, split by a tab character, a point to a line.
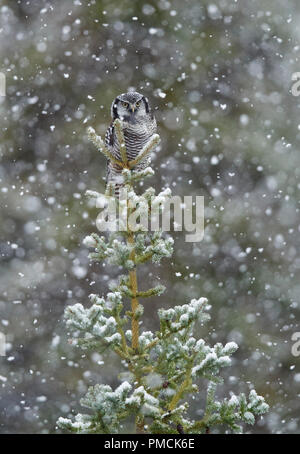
164	368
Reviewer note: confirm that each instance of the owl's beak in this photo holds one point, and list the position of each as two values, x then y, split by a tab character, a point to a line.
132	108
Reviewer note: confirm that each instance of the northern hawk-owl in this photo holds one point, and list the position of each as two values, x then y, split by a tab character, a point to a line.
139	125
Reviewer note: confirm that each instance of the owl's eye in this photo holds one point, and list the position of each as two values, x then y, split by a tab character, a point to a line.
125	104
137	104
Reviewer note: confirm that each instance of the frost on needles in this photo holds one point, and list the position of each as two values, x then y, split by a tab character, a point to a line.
162	369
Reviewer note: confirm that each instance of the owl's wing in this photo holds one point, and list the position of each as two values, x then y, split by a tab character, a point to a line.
109	136
109	142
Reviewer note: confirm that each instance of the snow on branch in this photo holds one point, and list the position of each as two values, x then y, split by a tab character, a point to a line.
120	136
100	145
150	145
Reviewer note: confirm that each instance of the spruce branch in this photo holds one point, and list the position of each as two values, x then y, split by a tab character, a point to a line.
100	145
150	145
155	291
120	136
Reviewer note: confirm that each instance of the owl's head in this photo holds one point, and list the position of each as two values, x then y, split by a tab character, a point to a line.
130	107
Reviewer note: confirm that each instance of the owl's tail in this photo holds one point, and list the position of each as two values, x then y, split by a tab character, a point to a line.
114	179
117	187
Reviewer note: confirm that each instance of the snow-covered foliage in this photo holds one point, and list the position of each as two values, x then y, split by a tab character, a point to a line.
166	366
97	322
177	361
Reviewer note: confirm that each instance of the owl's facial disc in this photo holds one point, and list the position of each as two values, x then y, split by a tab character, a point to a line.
130	107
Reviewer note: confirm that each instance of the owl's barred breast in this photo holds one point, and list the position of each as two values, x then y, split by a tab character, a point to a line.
139	125
136	137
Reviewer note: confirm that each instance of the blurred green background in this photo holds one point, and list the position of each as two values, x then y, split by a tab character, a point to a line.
219	75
